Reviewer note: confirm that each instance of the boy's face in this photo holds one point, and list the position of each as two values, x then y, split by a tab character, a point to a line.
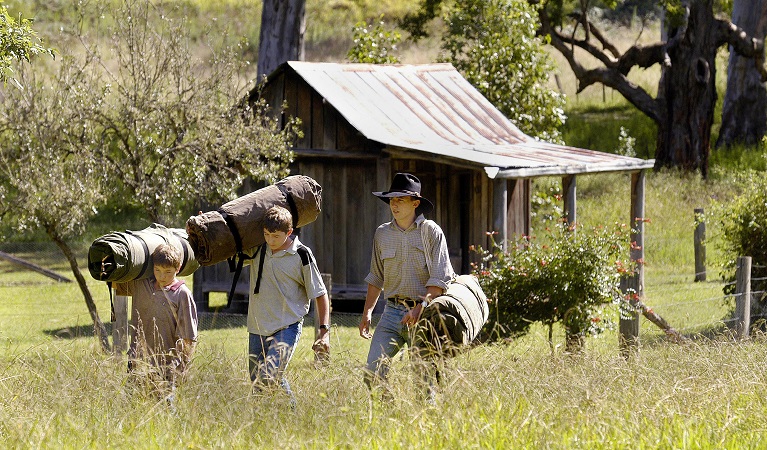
403	208
277	240
165	274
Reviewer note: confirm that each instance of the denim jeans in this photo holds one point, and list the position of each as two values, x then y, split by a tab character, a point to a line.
389	337
268	357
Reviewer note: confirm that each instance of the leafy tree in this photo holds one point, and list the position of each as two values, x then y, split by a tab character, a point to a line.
170	128
18	42
493	44
48	177
684	105
742	231
374	44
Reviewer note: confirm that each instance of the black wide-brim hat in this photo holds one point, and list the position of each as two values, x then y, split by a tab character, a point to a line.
404	185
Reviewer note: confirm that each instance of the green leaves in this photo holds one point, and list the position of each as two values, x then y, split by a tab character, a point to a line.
18	42
374	44
565	276
494	46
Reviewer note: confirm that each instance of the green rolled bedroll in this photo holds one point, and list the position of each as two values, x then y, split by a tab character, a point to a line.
454	319
236	226
125	256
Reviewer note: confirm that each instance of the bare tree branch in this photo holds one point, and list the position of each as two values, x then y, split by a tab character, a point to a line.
743	44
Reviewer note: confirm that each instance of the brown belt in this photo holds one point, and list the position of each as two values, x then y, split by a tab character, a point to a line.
406	301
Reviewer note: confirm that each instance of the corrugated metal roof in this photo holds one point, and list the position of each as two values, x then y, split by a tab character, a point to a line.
431	108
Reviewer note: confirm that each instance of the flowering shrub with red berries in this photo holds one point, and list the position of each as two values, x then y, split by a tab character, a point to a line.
567	274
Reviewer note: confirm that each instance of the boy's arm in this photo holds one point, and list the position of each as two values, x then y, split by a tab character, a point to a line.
367	313
322	344
185	349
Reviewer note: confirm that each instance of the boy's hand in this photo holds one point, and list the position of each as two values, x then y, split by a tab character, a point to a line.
365	326
321	347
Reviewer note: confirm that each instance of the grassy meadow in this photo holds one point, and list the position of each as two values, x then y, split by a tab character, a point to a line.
58	390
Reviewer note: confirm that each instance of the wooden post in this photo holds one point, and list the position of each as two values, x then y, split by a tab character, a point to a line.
637	224
501	210
743	297
120	325
628	327
634	285
700	245
568	187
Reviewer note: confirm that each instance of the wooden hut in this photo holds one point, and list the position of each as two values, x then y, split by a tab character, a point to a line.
362	123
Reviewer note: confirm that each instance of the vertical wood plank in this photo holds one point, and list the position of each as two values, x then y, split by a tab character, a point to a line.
318	121
699	242
329	127
501	211
304	112
570	201
120	325
743	297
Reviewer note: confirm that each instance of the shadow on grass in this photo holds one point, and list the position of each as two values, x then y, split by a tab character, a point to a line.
716	332
207	321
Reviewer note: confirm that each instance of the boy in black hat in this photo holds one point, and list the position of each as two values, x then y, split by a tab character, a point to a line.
410	264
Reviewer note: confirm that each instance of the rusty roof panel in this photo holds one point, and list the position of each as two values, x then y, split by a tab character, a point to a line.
431	108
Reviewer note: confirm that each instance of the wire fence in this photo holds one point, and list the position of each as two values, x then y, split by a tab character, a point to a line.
689	307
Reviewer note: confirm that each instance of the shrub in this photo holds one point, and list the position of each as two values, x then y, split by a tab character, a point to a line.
742	231
568	276
374	44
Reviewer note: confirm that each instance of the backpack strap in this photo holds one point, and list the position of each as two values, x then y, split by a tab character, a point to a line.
303	252
262	251
111	302
147	255
236	267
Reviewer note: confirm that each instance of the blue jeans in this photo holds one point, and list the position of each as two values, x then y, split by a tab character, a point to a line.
389	337
268	356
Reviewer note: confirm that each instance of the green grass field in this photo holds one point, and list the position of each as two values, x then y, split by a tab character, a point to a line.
58	390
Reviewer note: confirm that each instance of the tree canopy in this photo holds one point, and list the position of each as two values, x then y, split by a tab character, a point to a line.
18	42
493	44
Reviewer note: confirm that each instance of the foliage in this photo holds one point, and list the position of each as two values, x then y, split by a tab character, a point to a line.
626	143
742	231
494	46
48	177
170	129
567	277
374	45
18	42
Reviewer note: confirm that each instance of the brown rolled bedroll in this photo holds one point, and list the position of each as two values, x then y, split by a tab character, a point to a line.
125	256
219	235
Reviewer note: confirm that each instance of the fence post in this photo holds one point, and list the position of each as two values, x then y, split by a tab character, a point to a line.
569	193
120	325
743	297
700	245
628	325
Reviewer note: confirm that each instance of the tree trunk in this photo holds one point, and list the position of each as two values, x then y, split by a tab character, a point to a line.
688	88
98	327
744	113
283	24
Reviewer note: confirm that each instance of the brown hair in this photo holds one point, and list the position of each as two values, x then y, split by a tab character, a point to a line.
278	218
166	255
